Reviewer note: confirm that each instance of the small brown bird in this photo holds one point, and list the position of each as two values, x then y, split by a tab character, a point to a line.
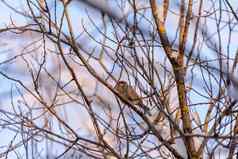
130	94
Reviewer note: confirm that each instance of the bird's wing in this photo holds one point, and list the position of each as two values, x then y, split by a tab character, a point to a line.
118	88
132	93
133	96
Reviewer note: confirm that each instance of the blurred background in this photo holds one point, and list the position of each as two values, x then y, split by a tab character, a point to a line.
60	62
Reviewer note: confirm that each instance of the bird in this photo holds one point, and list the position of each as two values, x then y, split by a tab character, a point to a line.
130	94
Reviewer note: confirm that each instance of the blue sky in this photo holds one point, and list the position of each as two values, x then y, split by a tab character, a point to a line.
78	15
